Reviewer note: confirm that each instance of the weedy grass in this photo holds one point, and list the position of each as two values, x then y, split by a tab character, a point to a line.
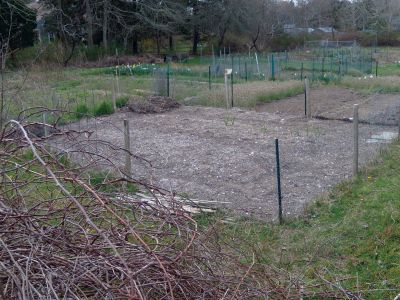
371	84
104	108
248	95
353	232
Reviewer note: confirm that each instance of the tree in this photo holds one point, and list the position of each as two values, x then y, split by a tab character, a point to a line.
17	24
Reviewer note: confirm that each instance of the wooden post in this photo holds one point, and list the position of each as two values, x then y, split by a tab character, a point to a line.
399	130
128	161
117	77
226	89
46	130
114	100
355	139
307	98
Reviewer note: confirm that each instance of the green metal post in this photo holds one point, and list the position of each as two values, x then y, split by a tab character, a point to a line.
232	88
209	78
168	80
272	67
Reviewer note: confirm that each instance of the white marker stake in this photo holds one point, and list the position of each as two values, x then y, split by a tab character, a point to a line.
227	73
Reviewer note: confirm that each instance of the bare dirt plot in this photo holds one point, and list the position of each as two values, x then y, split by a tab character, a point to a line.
228	156
337	103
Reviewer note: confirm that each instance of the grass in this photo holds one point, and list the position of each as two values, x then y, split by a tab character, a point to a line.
248	95
354	232
370	84
389	69
104	108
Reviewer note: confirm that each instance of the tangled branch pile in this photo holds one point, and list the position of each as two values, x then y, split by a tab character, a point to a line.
64	237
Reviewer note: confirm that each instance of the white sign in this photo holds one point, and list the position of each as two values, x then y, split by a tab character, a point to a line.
228	71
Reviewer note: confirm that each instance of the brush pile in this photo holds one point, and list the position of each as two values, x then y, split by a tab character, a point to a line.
62	236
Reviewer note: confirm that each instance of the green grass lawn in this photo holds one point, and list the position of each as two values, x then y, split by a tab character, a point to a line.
352	233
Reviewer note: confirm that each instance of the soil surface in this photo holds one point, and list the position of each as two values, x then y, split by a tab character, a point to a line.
337	103
229	155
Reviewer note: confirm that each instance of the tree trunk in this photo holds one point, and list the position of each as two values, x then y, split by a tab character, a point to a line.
158	42
135	44
105	23
222	37
196	39
196	34
171	43
89	19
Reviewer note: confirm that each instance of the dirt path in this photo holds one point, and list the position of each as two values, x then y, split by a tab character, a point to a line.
228	156
337	103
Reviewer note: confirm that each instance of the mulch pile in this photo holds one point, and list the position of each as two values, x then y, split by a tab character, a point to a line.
152	104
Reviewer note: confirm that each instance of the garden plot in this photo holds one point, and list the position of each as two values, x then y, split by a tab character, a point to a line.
228	155
337	104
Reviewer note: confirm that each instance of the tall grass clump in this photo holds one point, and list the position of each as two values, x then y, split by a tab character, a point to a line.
122	101
81	111
104	108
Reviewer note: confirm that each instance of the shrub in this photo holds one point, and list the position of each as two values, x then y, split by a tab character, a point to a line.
81	110
105	108
122	101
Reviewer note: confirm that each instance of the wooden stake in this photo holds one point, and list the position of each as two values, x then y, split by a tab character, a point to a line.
46	130
355	139
128	161
307	97
226	90
114	100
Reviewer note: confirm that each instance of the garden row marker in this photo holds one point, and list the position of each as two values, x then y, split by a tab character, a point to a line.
278	180
355	139
307	98
128	162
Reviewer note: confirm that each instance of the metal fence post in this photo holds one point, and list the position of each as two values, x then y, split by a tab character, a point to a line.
245	70
272	67
168	80
278	180
232	88
209	78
